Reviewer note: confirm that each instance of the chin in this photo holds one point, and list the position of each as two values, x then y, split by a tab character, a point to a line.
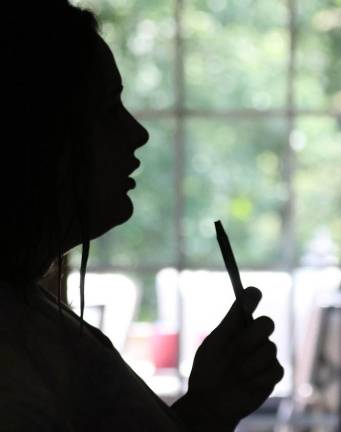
120	214
101	223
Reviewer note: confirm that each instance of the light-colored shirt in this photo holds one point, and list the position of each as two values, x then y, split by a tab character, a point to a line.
52	381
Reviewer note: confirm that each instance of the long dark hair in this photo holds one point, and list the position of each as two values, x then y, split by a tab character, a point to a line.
47	65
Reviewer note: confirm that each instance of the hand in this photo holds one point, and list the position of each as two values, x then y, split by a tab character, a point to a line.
235	369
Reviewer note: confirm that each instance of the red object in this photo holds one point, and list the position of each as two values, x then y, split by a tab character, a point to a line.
164	348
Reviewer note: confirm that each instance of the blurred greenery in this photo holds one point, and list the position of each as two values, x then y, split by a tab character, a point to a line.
236	54
318	180
318	83
233	175
236	57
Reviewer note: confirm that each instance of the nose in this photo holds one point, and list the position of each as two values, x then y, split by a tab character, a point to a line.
143	135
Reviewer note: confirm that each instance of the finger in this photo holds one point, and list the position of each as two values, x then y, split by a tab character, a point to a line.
268	378
233	322
255	335
260	361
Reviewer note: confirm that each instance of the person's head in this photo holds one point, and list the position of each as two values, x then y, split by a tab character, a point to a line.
67	141
113	136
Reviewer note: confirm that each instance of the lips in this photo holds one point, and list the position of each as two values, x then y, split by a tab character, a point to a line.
131	183
133	167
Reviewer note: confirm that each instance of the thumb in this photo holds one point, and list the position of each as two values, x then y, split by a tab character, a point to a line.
234	321
251	298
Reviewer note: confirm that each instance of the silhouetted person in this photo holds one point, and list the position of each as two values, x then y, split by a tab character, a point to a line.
67	149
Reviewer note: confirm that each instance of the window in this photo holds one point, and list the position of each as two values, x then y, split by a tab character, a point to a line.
243	105
242	100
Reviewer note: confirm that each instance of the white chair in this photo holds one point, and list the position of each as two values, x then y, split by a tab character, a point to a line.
167	297
111	303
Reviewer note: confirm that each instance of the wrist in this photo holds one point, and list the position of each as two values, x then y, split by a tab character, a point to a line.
198	417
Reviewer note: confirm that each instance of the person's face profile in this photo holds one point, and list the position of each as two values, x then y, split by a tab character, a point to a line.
116	135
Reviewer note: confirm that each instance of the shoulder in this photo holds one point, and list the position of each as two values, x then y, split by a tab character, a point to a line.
18	376
20	414
25	402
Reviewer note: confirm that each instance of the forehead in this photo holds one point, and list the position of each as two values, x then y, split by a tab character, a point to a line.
107	71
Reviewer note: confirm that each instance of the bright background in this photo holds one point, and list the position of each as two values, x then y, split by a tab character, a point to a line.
242	100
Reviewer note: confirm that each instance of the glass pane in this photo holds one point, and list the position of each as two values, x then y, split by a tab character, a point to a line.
318	186
140	35
233	174
236	54
147	238
319	55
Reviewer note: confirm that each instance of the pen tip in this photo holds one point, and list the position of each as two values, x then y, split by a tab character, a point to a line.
218	225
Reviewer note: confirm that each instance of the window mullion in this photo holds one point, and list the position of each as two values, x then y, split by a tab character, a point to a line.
288	172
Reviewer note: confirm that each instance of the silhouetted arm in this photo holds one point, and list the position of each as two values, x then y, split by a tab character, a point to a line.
198	418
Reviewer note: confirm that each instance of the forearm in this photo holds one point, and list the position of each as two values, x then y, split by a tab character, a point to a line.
198	418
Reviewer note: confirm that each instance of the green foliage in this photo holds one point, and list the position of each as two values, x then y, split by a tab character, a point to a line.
234	175
236	54
318	180
318	81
